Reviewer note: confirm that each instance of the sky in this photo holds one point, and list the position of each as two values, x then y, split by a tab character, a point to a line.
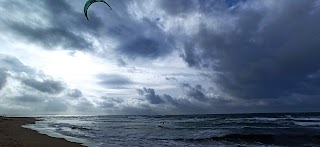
159	57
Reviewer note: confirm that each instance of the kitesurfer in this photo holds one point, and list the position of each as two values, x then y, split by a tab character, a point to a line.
89	3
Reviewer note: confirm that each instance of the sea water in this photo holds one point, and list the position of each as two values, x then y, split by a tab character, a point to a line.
280	129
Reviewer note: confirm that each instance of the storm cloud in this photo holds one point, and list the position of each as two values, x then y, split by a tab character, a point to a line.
196	92
196	100
142	39
150	95
198	56
265	50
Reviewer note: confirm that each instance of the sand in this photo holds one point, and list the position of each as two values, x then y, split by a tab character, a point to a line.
13	135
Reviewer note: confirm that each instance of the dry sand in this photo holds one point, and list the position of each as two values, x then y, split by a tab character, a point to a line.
13	135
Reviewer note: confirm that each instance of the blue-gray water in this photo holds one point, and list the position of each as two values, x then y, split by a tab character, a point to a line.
289	129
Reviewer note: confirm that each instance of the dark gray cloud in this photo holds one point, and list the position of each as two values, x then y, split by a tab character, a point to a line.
172	79
51	37
196	92
29	99
75	93
145	47
181	105
268	52
84	106
110	102
150	95
191	55
140	91
208	103
11	63
46	85
142	39
114	80
178	7
201	100
3	79
121	63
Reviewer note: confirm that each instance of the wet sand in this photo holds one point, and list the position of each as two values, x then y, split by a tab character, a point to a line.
13	135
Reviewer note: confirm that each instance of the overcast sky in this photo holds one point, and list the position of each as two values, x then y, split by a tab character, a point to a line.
159	56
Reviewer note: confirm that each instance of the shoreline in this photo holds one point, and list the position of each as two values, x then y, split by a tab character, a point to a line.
12	134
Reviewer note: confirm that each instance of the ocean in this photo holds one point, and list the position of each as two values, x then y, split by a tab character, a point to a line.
272	129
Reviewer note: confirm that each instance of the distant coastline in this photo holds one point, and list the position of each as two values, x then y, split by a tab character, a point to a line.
13	134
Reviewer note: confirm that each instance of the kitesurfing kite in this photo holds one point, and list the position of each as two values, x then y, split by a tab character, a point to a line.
90	2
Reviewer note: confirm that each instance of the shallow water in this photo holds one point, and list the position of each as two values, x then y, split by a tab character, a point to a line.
286	129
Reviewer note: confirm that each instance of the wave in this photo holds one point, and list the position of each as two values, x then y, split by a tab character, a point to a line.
70	126
308	124
43	128
267	139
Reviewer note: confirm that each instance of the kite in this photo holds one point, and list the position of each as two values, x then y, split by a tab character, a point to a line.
89	3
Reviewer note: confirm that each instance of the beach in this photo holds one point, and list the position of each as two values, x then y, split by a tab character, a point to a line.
12	134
